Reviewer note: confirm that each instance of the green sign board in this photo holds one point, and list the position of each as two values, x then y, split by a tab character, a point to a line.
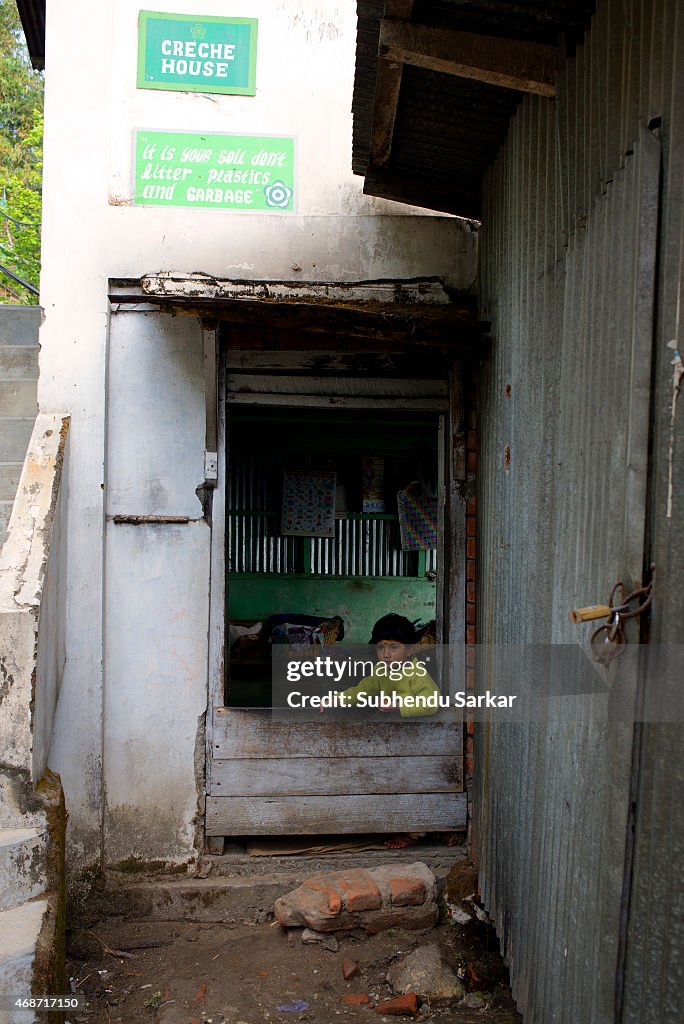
215	172
188	53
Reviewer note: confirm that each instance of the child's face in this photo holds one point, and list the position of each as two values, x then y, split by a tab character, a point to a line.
392	650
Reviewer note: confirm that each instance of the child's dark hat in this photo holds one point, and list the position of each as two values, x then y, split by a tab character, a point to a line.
394	627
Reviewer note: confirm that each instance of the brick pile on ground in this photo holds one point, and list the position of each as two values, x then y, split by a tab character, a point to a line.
391	896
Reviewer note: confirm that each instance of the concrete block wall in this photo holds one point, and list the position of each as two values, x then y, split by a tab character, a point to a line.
18	385
32	810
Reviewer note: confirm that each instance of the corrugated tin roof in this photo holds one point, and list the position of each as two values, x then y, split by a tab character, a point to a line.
540	21
32	14
448	129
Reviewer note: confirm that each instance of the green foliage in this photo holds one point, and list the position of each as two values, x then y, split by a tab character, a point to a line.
154	1002
21	157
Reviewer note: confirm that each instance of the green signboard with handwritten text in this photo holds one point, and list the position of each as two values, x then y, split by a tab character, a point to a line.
191	53
216	172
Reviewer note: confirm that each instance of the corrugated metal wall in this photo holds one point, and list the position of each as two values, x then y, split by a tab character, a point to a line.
362	546
576	271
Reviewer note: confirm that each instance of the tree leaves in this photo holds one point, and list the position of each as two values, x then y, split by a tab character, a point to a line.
21	157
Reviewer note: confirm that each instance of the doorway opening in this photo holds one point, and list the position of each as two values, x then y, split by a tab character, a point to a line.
369	438
337	576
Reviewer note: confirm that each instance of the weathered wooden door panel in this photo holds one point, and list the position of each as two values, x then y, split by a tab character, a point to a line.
273	776
255	733
314	815
330	776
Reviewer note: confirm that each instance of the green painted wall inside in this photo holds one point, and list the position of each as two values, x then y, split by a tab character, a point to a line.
360	600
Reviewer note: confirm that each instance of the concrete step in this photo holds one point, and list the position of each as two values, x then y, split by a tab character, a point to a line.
19	931
15	434
19	324
247	895
235	861
22	855
9	479
19	362
18	398
238	900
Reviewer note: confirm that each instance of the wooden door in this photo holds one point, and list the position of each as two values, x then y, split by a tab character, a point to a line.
267	776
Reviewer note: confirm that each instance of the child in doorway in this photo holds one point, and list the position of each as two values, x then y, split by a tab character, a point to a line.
394	638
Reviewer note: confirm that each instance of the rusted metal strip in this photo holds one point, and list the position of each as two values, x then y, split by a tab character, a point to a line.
142	520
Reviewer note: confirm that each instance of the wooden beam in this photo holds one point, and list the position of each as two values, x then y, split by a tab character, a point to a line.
363	387
421	291
508	63
387	89
398	405
246	354
444	194
415	325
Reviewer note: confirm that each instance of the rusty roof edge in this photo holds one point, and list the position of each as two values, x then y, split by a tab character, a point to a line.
32	15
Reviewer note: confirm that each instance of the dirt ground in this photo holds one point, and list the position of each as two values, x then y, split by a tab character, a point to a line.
183	973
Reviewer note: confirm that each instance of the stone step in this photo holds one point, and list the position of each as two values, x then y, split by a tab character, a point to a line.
22	855
15	434
238	900
247	896
19	324
235	861
19	931
19	362
18	398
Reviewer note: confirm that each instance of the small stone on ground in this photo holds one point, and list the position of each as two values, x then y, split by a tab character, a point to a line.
349	968
311	938
473	1001
424	971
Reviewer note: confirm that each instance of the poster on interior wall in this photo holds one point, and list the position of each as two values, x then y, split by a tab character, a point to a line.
340	502
191	53
373	484
212	171
308	504
417	519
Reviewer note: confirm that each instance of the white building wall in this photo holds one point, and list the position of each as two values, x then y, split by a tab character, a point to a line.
134	684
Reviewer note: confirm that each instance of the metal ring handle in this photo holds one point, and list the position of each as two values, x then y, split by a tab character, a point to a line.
614	636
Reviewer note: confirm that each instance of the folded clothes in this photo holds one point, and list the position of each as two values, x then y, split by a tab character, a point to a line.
286	628
293	630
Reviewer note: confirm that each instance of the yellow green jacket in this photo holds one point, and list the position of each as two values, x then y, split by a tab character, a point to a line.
407	685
